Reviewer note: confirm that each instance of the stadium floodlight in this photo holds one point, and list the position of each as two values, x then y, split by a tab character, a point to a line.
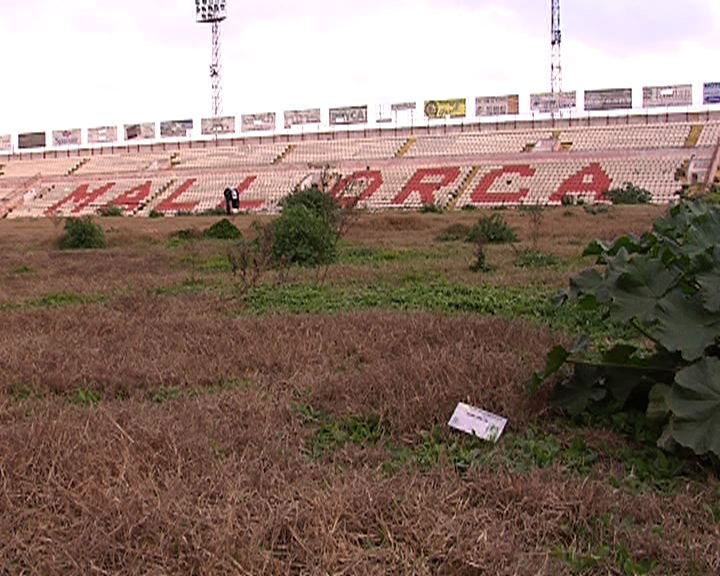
213	12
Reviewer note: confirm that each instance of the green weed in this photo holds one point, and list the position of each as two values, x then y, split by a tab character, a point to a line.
85	398
165	394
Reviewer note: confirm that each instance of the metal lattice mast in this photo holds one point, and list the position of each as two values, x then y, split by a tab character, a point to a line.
556	50
213	12
216	71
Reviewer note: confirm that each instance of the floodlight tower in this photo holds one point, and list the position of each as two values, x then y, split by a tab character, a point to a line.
556	53
213	12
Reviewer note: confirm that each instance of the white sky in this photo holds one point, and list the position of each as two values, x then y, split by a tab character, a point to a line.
85	63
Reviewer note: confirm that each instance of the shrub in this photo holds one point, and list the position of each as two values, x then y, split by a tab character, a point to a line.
629	194
454	233
535	259
82	234
305	237
664	285
111	212
186	234
156	214
431	209
492	230
567	200
314	200
480	263
223	230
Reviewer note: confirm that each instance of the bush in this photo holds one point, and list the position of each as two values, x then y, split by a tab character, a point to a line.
431	209
82	234
223	230
535	259
664	285
186	235
480	263
629	194
315	201
305	237
156	214
111	212
492	230
454	233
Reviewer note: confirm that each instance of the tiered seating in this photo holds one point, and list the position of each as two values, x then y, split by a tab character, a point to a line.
230	156
547	182
626	137
125	162
710	135
334	150
82	198
46	167
472	144
199	193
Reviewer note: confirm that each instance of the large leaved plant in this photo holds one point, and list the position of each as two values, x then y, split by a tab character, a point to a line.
666	286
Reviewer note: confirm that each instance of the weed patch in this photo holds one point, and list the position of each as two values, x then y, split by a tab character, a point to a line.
85	398
223	230
536	260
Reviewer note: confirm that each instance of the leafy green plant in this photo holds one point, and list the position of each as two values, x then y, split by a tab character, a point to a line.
223	230
111	212
492	230
85	398
82	234
304	237
629	194
314	200
480	263
431	209
155	214
665	285
536	259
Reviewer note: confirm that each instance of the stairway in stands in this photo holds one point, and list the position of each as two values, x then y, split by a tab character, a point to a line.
284	154
77	166
695	132
469	178
405	148
149	205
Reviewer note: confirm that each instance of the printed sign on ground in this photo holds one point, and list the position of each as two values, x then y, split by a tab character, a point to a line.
617	99
478	423
102	134
140	131
454	108
31	140
348	115
711	93
302	117
215	126
176	128
497	105
661	96
6	143
67	137
547	103
264	121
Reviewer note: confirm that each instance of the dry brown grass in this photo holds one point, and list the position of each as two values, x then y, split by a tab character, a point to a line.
194	461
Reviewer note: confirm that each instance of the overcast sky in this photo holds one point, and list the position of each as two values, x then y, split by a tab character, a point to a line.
82	63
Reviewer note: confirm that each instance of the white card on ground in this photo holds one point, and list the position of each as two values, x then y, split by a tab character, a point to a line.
477	422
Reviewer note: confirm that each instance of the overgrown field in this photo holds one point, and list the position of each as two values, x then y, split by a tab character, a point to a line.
153	420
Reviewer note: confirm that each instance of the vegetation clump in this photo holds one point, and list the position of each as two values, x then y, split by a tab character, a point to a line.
111	212
454	233
665	285
629	194
82	234
223	230
492	230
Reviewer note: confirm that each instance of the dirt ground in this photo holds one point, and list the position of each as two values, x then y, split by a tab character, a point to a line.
152	424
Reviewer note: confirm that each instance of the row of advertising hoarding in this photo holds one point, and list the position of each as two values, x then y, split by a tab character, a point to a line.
402	113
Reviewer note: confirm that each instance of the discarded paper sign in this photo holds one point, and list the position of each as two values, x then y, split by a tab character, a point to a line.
477	422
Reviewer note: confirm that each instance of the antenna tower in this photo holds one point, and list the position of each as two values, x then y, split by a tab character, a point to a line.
556	52
213	12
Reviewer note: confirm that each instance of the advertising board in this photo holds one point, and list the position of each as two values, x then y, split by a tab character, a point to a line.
67	137
547	103
261	122
497	105
102	134
348	115
31	140
453	108
661	96
176	128
302	117
216	126
615	99
144	131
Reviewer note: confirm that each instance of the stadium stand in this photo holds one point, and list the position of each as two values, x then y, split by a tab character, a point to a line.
487	167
